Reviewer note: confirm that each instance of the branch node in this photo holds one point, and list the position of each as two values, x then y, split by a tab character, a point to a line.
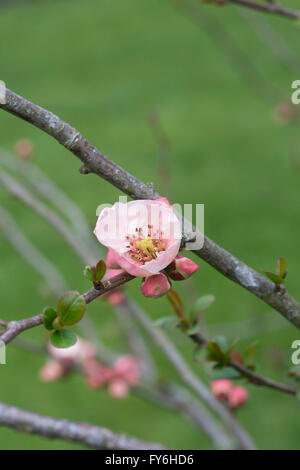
84	170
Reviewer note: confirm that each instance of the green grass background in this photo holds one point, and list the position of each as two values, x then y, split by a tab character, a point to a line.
103	66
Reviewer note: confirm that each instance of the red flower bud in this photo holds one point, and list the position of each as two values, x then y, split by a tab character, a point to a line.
53	371
238	396
221	388
181	268
156	285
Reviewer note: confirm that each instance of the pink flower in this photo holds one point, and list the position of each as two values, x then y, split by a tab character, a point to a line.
156	285
144	235
118	388
111	261
238	396
221	388
53	371
181	268
81	351
128	367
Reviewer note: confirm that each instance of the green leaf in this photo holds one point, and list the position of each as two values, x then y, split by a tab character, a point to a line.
281	267
87	272
167	322
63	338
202	304
274	277
70	308
49	315
99	270
222	342
193	329
199	354
249	354
219	373
215	352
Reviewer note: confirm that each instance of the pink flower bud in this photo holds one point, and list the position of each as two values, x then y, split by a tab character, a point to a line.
118	388
238	396
52	371
156	285
97	374
181	268
128	368
24	148
221	388
115	297
111	260
164	200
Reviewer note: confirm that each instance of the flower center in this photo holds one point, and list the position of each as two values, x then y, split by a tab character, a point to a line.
142	249
146	246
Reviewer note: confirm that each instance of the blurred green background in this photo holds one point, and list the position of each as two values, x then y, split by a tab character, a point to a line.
103	67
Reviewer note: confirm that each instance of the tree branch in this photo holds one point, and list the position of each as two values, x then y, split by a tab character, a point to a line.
22	193
252	376
97	163
31	254
82	433
271	7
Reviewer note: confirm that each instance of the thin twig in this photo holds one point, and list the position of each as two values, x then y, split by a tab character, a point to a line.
279	47
14	328
252	376
32	255
22	193
46	188
83	433
271	7
134	338
232	49
172	396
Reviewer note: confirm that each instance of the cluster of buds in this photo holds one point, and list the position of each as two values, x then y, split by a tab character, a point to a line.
118	378
179	269
234	396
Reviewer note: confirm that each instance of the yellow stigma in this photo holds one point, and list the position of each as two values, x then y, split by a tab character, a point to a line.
146	245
